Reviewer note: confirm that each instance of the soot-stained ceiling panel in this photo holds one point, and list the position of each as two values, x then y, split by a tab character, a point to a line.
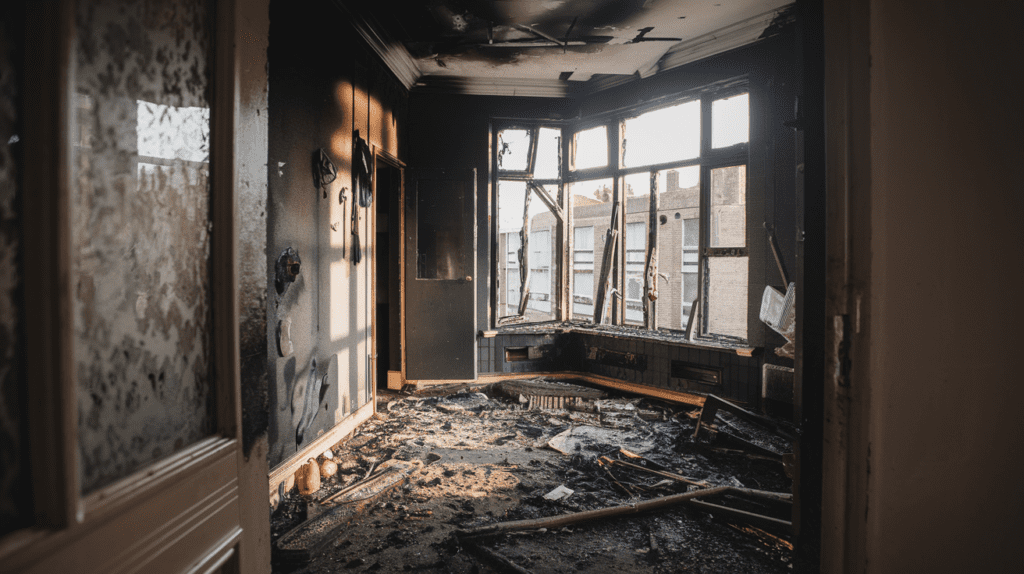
547	39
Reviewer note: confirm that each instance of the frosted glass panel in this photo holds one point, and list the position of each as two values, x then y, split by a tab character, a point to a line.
140	237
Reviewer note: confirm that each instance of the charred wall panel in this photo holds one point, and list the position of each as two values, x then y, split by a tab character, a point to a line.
252	248
141	232
15	508
323	87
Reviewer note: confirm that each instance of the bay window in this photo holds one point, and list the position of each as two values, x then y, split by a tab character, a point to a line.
637	218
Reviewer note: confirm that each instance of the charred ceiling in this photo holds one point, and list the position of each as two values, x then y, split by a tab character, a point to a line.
563	41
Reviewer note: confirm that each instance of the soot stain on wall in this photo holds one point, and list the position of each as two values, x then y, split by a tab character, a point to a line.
141	233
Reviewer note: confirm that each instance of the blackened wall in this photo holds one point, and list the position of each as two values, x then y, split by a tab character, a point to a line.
323	86
15	510
252	237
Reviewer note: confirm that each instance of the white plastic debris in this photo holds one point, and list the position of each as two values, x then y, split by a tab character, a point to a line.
560	493
328	454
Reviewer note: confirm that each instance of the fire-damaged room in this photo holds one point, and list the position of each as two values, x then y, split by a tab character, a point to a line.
509	286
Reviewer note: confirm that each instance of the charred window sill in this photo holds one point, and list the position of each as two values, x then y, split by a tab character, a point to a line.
626	332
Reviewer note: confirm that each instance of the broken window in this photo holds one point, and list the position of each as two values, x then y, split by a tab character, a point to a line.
529	221
591	217
678	244
513	149
656	237
516	214
583	273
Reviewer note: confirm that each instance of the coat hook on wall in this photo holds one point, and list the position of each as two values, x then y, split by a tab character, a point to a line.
362	172
324	171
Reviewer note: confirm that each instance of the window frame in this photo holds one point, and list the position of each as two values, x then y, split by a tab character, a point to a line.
710	158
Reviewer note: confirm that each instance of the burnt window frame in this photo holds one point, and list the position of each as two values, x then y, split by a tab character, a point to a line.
709	158
554	189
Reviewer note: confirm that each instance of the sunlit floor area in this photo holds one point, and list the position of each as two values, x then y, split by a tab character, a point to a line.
467	479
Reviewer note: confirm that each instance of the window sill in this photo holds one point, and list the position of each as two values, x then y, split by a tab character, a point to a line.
626	332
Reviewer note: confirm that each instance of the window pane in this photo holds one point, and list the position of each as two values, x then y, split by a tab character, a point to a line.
678	234
539	307
727	296
547	154
540	257
508	255
659	136
591	148
689	296
140	235
513	149
583	273
730	121
592	210
729	206
636	250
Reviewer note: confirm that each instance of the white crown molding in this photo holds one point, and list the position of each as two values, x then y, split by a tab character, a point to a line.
733	36
391	51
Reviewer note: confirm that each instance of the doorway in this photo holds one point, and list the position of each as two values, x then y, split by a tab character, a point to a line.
387	324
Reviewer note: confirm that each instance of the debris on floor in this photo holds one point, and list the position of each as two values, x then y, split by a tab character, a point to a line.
543	476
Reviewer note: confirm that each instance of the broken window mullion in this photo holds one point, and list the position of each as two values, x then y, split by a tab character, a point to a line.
605	279
531	153
524	255
549	201
650	296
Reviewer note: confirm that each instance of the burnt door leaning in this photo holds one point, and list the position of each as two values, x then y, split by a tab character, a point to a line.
440	260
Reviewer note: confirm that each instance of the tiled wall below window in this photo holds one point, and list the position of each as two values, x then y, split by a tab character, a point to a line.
740	381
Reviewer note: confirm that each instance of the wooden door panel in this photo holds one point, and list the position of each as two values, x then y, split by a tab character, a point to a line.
187	517
441	275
